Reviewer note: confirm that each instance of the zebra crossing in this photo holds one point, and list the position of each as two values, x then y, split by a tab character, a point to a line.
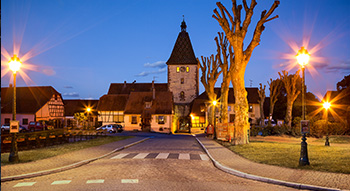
64	182
180	156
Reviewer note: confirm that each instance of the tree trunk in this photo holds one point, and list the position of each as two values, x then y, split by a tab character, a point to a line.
272	105
261	101
225	87
241	125
288	118
211	110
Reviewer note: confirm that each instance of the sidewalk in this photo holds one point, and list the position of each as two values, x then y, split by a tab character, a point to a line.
65	161
235	163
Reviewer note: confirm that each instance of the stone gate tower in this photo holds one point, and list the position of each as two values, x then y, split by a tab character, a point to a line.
183	74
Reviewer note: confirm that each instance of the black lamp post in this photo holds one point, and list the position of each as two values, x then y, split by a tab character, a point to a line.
327	105
303	58
14	65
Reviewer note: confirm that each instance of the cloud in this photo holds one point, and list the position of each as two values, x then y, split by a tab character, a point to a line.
49	72
158	64
146	73
342	67
68	87
71	94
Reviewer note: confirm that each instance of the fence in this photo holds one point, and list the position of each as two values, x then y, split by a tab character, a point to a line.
26	141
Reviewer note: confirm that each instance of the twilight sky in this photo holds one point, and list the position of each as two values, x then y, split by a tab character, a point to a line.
79	47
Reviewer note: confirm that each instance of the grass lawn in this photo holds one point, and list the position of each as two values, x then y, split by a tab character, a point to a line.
42	153
322	158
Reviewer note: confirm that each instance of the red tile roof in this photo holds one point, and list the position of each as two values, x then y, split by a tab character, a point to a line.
126	88
78	105
112	102
162	104
28	100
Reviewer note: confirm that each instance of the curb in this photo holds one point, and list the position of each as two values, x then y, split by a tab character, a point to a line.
263	179
67	167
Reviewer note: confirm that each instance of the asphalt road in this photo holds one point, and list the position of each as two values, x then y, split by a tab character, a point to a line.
164	162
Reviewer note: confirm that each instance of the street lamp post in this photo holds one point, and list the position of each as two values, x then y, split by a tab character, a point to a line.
214	106
88	110
14	65
303	58
327	105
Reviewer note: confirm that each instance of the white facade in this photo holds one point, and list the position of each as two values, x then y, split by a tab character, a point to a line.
23	119
161	123
54	109
132	122
111	117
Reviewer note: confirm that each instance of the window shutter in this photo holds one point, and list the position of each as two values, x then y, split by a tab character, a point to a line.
157	118
130	118
165	119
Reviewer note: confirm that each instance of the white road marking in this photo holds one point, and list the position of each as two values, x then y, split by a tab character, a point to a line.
185	156
141	156
130	181
95	181
121	155
21	184
204	157
61	182
162	156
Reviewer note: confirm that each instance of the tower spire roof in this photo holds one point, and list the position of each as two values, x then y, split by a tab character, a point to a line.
183	24
182	53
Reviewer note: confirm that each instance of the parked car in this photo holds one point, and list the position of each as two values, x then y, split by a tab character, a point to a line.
36	126
109	128
273	122
22	129
118	127
6	128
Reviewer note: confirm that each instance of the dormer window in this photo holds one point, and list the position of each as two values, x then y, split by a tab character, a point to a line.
148	105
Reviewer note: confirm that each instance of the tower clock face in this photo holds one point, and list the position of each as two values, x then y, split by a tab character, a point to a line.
182	69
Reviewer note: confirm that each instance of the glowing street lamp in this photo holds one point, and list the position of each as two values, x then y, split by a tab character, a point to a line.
15	65
327	105
88	110
303	58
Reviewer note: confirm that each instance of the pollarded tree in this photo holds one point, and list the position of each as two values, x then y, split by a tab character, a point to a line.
290	82
236	32
210	74
275	88
261	101
224	60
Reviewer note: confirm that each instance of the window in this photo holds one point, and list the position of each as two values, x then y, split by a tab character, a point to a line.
250	108
133	119
232	118
187	69
24	121
182	96
177	69
161	119
182	80
148	104
118	117
229	108
7	121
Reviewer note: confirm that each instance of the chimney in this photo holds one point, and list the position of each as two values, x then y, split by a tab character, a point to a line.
124	84
154	90
10	86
